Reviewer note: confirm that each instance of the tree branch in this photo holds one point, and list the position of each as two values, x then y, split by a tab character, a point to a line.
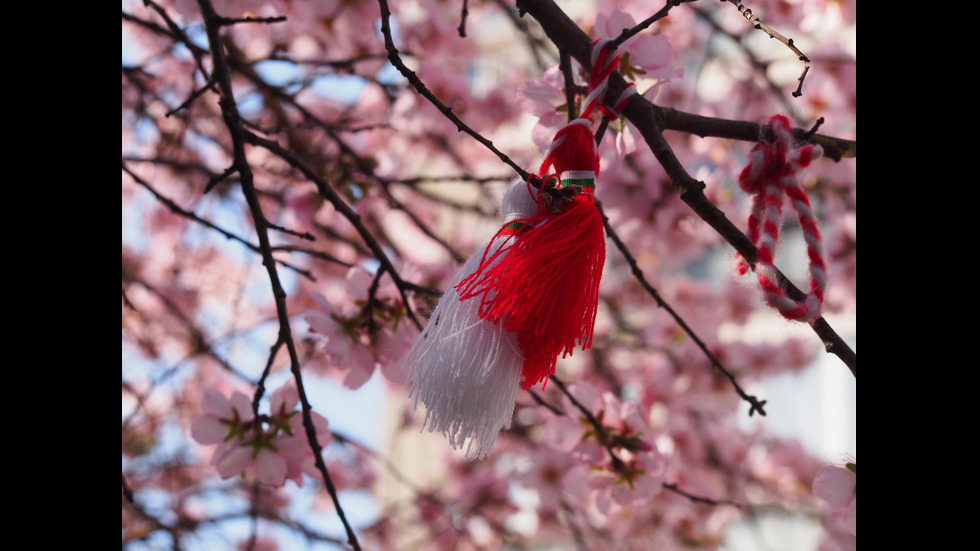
327	191
416	83
232	119
176	209
758	24
755	403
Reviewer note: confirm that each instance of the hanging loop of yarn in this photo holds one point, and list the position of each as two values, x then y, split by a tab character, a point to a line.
771	174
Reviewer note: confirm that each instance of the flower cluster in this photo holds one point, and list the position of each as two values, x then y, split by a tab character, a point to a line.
615	462
362	333
269	448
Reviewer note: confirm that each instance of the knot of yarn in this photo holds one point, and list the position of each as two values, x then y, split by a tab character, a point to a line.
769	175
573	148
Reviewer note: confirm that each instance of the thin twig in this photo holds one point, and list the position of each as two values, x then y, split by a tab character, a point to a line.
541	402
327	191
225	21
761	67
413	79
260	385
699	499
347	151
758	24
126	491
177	33
176	209
601	433
755	403
642	25
201	344
314	253
302	235
462	19
196	94
603	438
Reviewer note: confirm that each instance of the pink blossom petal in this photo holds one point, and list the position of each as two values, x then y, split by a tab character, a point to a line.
590	451
392	347
603	500
235	462
243	406
270	468
651	52
320	425
208	429
612	25
294	447
358	376
850	517
393	372
216	404
562	433
321	301
538	97
358	281
321	323
322	428
835	485
576	483
284	399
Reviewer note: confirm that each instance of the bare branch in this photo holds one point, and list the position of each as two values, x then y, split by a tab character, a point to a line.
642	25
232	118
758	24
756	404
176	209
420	87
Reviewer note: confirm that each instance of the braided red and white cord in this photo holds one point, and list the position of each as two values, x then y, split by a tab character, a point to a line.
603	65
771	173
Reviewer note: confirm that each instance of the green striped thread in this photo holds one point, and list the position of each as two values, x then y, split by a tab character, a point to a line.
585	183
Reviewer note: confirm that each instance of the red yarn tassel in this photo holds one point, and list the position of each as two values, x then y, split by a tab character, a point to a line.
546	289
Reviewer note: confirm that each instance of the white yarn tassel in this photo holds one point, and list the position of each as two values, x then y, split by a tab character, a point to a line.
464	369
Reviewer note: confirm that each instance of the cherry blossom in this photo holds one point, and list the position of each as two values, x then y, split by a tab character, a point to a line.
270	451
361	336
223	418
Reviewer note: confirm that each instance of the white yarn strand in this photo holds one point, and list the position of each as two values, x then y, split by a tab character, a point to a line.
464	369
